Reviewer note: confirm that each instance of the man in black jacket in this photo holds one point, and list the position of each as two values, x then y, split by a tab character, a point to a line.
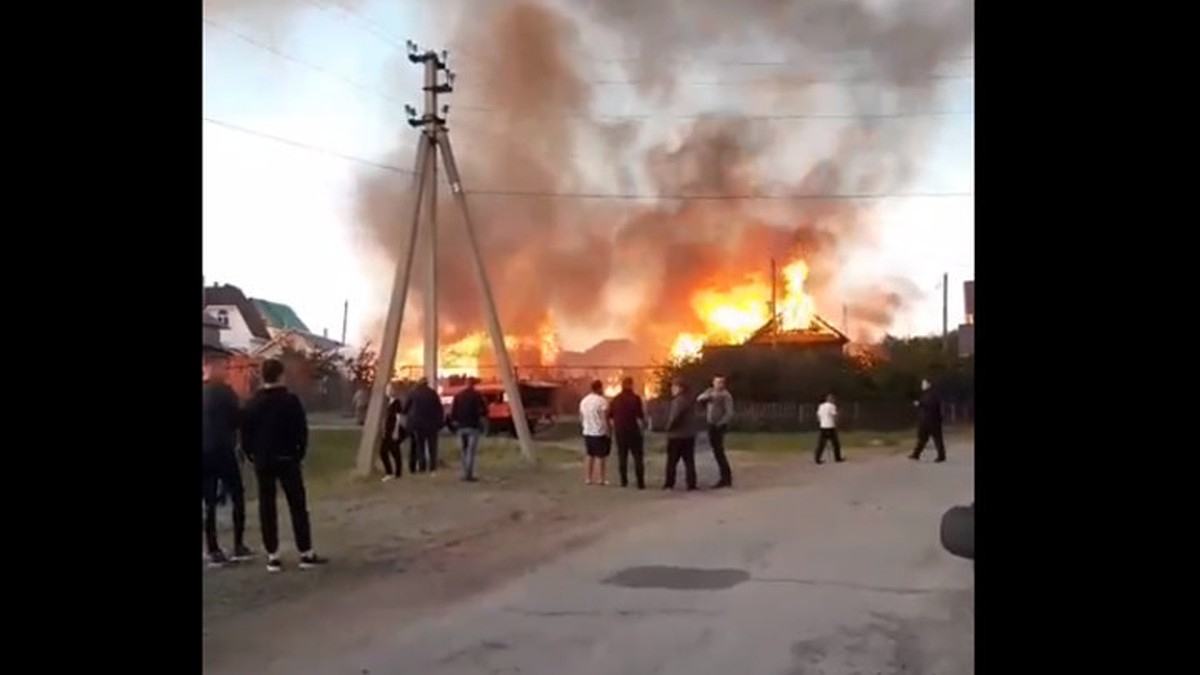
929	422
627	418
425	419
219	465
393	436
275	439
468	415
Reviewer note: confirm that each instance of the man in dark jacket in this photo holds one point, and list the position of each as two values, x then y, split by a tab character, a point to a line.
425	415
929	422
681	436
468	415
393	436
220	468
275	439
627	417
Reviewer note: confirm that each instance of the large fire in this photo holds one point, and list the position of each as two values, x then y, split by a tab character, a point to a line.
728	315
731	315
465	356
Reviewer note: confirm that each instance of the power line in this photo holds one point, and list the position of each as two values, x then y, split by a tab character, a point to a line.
654	197
307	64
739	116
594	195
306	146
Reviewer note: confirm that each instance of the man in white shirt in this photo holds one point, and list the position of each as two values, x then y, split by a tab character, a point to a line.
593	415
827	414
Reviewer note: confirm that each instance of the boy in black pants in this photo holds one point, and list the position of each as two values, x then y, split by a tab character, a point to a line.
275	438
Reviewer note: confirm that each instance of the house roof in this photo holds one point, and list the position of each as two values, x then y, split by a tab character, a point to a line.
278	315
232	295
819	332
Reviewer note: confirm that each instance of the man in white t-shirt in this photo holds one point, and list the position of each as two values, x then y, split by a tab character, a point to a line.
827	414
593	415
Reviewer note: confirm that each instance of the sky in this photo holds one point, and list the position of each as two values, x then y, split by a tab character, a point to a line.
293	111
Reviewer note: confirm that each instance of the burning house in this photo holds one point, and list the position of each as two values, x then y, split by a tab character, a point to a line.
819	336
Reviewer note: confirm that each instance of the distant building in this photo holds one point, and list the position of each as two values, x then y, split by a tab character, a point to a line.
966	331
244	327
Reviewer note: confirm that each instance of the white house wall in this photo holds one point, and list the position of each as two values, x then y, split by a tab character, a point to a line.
238	334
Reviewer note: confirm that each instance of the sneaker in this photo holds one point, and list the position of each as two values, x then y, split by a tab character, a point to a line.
311	560
217	558
387	477
242	552
274	564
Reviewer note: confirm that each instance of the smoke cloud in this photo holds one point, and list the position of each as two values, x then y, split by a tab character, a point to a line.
626	266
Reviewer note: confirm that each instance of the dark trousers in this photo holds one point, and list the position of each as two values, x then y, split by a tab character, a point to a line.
289	477
631	443
393	461
716	438
677	449
218	474
926	432
423	453
829	436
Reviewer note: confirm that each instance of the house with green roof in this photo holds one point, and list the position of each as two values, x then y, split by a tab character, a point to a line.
279	316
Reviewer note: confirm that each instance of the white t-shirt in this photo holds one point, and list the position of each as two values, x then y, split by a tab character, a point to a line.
593	413
827	415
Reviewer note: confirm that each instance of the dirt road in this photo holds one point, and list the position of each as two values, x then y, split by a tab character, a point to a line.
829	570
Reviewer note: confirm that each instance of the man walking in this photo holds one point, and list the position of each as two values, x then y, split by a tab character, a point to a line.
220	466
681	436
718	413
593	417
468	416
827	414
425	419
929	422
393	437
627	415
275	438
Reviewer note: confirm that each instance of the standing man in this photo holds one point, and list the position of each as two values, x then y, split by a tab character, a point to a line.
467	419
220	466
929	422
681	436
425	419
593	415
827	414
393	437
718	413
627	415
275	438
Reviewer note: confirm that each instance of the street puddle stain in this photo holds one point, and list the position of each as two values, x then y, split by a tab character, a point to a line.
678	578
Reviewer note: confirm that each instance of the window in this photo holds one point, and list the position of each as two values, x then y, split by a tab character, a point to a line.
223	317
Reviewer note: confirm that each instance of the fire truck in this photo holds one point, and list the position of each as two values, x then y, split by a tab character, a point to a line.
538	397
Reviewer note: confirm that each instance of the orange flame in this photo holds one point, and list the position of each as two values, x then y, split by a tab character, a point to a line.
732	315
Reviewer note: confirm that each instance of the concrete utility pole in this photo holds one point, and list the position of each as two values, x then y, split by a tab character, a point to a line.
432	67
945	311
434	137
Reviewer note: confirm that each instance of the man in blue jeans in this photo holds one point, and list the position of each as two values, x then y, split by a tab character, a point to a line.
468	415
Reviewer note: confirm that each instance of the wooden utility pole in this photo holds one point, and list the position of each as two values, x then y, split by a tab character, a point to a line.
434	137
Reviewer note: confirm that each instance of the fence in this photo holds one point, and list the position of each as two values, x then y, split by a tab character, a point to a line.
792	416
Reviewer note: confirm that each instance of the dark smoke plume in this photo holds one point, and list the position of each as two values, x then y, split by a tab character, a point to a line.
570	258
